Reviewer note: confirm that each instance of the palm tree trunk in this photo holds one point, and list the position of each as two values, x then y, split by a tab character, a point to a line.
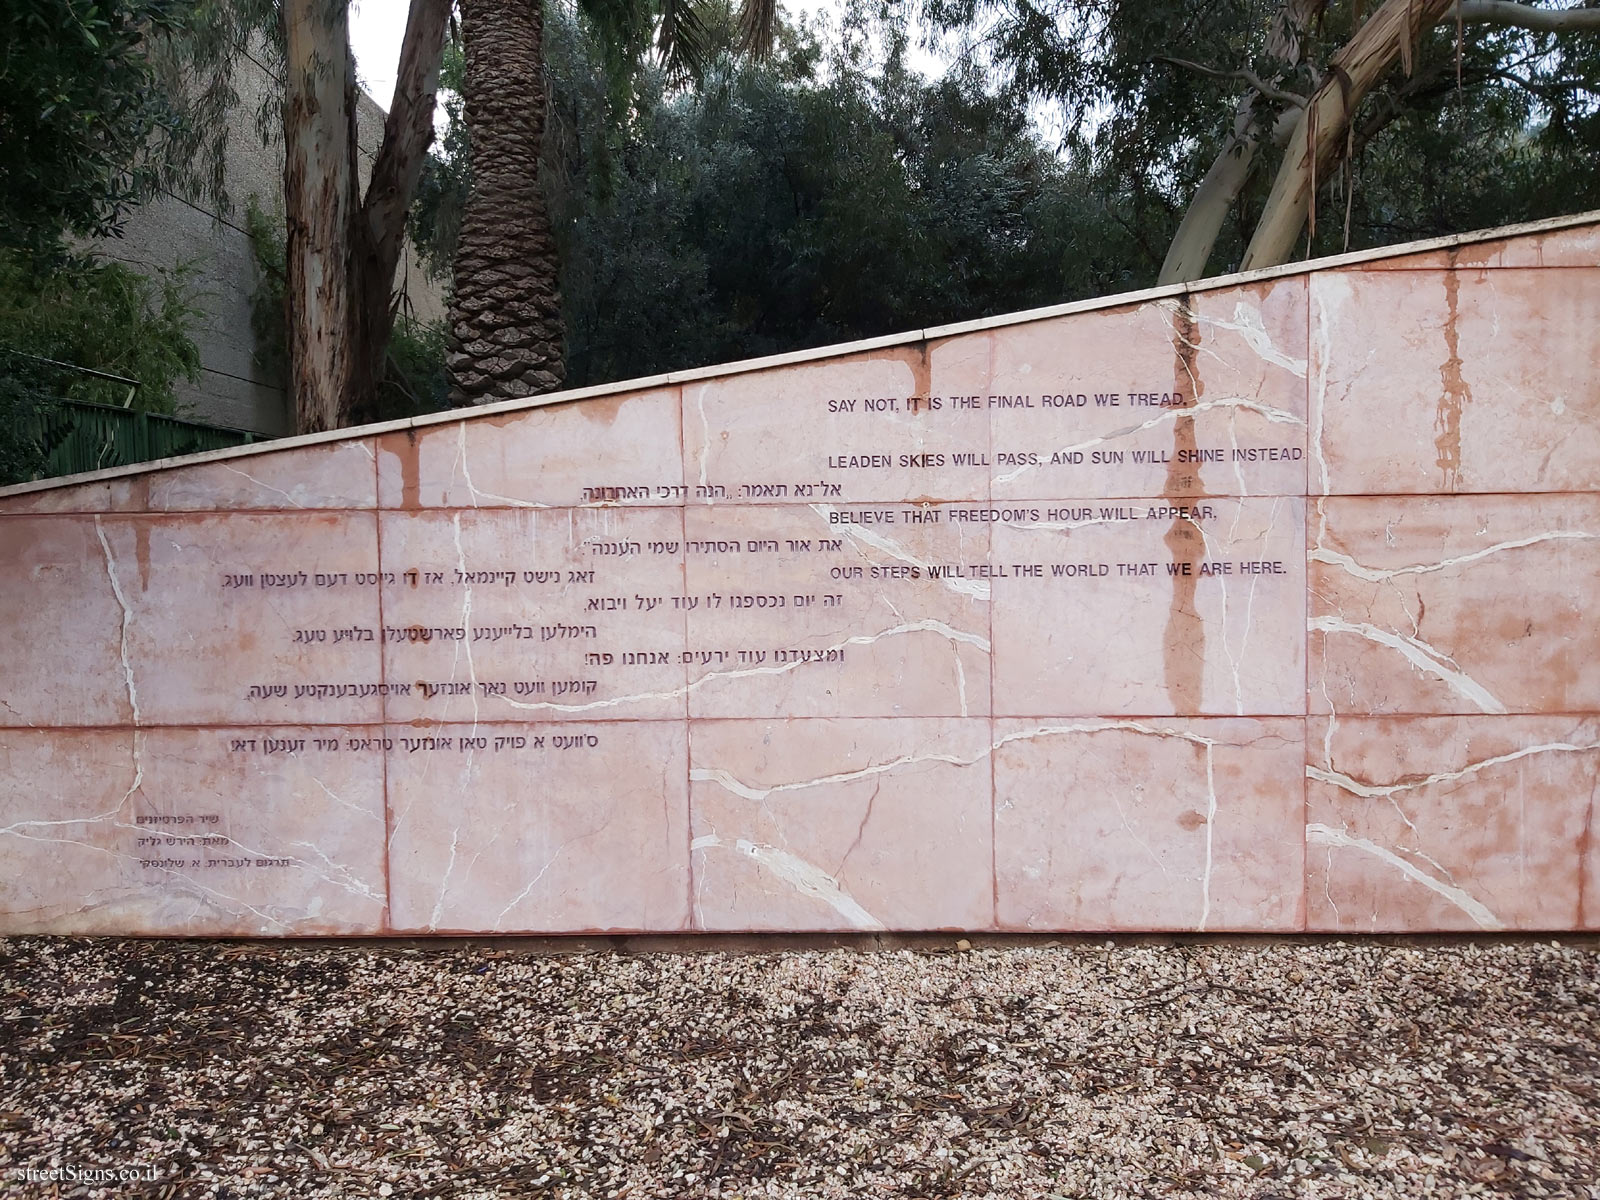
505	312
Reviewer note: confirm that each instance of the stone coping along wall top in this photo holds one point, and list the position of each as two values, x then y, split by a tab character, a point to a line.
1258	605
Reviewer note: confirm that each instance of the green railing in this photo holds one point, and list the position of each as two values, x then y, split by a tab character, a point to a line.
49	428
79	436
67	437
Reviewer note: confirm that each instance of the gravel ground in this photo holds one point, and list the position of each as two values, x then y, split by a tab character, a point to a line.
1259	1069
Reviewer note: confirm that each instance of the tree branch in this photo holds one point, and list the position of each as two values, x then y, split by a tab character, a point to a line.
408	129
1317	139
1245	75
1523	16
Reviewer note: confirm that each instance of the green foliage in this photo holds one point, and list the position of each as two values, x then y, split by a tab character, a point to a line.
267	299
416	382
81	119
104	102
823	195
1501	128
829	193
435	216
99	316
23	452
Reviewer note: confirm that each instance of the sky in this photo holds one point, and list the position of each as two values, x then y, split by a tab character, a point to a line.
377	28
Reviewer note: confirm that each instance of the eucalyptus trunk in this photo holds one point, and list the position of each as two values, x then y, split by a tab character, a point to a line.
1321	134
341	251
505	311
319	200
1190	252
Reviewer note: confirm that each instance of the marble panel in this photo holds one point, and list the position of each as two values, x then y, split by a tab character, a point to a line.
1154	824
1454	604
841	824
178	620
1436	382
549	828
1150	607
1438	823
221	832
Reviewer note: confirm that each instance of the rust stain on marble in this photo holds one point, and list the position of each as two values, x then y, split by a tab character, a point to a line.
1184	646
1456	393
141	552
409	454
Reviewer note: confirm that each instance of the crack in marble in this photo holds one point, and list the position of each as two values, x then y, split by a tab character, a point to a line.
444	881
1319	401
466	642
136	747
342	802
1127	826
29	724
1375	791
223	900
356	885
127	620
1277	416
927	625
1247	322
977	589
266	487
806	878
1343	839
1420	654
748	791
466	477
523	894
1385	574
705	430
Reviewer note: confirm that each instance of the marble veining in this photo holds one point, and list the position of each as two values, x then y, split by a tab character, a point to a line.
1260	606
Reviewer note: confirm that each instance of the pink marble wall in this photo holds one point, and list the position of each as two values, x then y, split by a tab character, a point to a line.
1262	607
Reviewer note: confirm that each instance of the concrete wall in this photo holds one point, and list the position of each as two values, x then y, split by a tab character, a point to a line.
234	389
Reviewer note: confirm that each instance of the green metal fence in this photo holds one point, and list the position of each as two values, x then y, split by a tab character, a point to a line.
75	435
82	436
49	426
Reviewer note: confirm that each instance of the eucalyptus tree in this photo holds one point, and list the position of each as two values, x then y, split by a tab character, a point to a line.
344	242
1235	128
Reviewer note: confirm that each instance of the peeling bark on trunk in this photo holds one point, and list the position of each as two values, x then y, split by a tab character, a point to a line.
1320	134
342	253
319	188
505	312
1191	247
379	234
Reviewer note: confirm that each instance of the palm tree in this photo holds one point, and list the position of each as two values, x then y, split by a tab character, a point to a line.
506	331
